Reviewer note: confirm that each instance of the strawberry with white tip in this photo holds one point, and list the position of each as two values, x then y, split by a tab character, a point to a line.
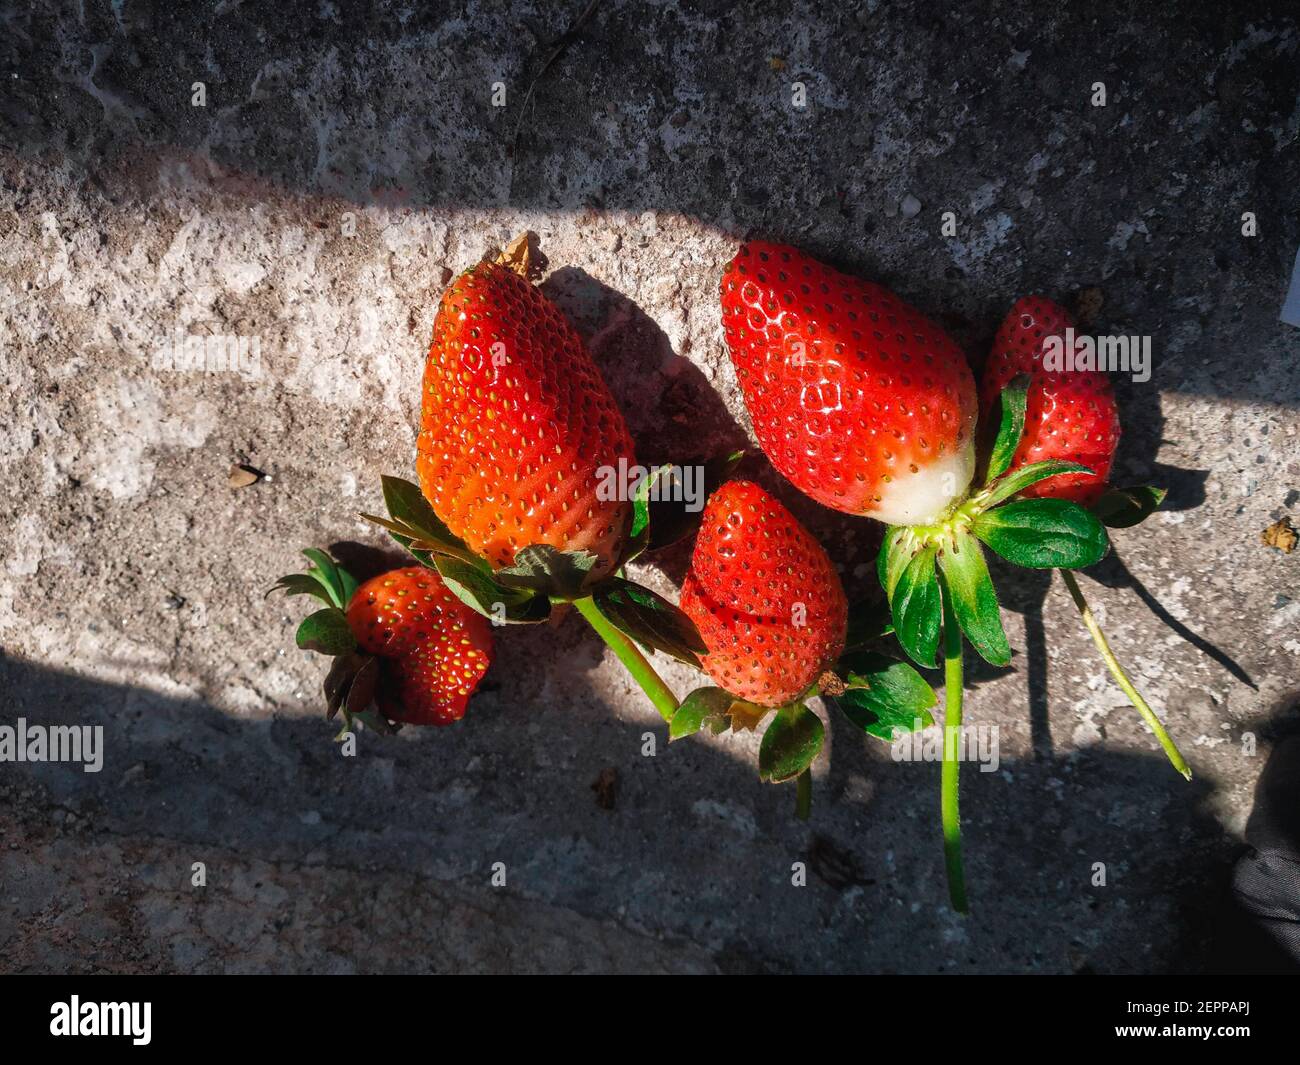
858	399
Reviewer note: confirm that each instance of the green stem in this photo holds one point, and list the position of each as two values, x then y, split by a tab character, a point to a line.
952	694
1121	678
642	671
803	797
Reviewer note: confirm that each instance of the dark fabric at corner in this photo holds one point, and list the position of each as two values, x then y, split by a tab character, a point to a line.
1262	933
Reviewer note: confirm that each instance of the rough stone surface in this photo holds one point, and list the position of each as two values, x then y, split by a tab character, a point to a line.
347	160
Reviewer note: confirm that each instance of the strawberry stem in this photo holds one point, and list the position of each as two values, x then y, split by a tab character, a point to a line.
952	693
633	660
803	795
1121	678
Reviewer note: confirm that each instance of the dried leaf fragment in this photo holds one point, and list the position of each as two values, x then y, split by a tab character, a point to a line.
1281	534
746	716
524	256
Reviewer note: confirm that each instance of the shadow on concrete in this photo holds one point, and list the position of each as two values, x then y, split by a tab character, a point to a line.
694	850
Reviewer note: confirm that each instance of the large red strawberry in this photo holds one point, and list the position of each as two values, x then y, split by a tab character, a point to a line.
764	596
517	425
1070	414
435	649
857	398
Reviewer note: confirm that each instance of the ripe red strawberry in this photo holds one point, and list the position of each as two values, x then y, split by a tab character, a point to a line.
516	423
857	398
764	596
435	649
1070	414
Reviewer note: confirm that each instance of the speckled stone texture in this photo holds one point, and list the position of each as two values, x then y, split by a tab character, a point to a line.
346	161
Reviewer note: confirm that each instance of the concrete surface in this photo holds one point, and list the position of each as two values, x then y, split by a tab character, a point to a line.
343	166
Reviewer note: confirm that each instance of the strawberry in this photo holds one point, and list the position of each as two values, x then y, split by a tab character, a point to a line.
404	647
1069	414
516	424
435	648
764	596
857	398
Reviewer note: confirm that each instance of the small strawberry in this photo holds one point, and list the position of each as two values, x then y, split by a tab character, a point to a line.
1070	414
764	596
437	649
516	425
857	398
404	647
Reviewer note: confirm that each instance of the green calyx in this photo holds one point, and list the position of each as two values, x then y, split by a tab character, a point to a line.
351	688
541	576
942	533
717	710
325	579
876	691
413	525
1035	533
353	679
964	515
791	742
326	631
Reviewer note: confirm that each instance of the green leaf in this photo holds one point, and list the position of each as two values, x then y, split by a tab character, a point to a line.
349	586
414	525
556	574
791	742
1013	401
719	724
974	599
339	679
404	542
1122	508
649	619
326	631
482	592
867	621
406	504
641	506
895	554
884	697
1043	534
362	692
696	708
327	571
423	545
916	608
1031	474
662	522
303	584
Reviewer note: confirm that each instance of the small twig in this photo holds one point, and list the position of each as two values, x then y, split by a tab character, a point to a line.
1122	679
